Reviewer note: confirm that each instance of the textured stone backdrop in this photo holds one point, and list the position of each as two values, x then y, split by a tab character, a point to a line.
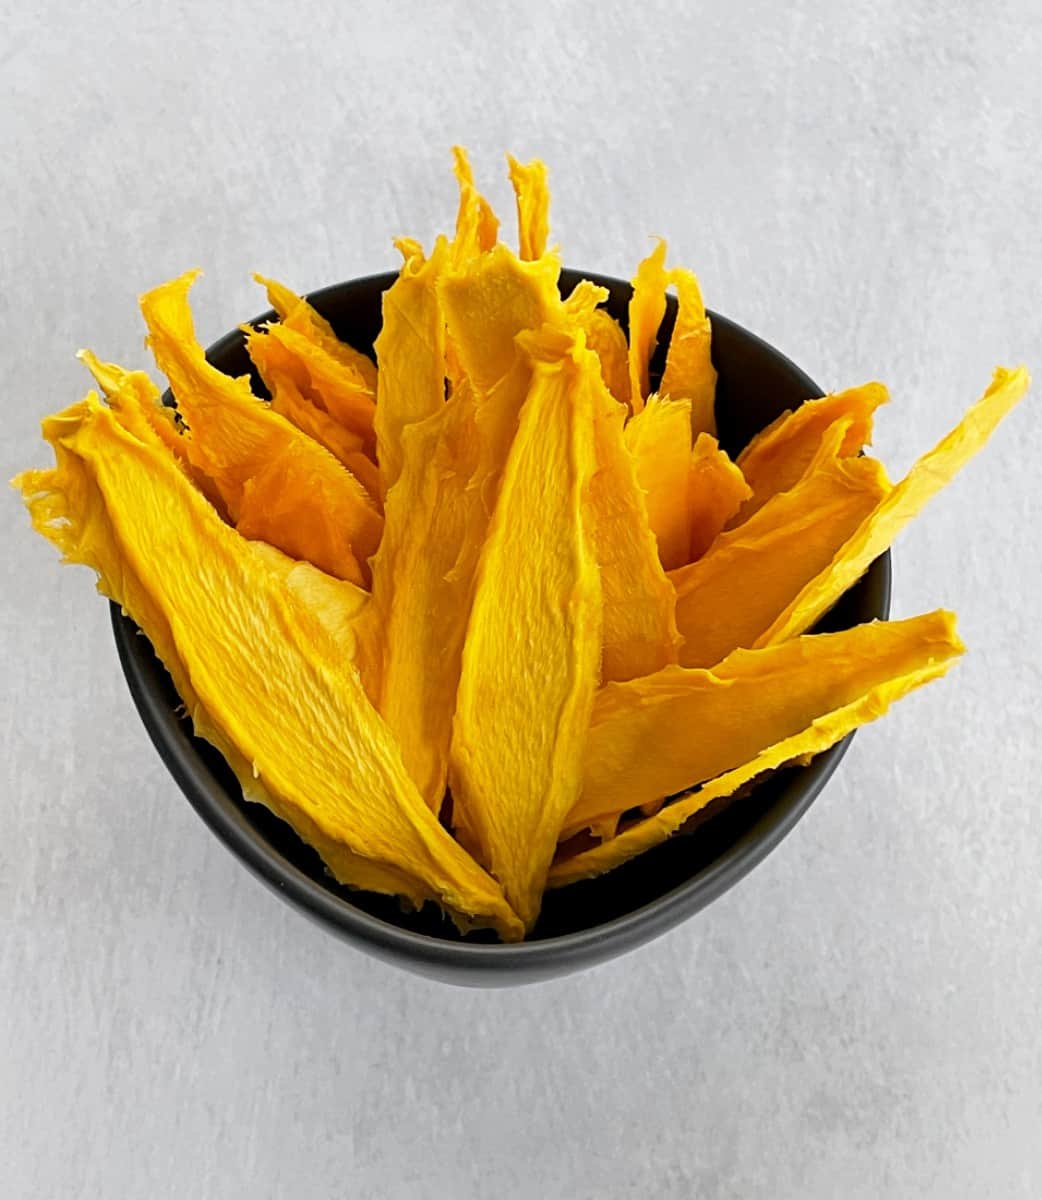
860	1018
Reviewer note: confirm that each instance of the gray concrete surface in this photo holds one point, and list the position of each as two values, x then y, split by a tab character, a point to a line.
860	1018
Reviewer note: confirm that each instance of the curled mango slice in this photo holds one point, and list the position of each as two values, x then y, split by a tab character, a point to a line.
532	649
296	313
729	596
690	374
265	669
702	723
886	519
646	310
327	383
477	226
870	668
717	489
659	438
277	484
410	350
533	206
422	581
778	456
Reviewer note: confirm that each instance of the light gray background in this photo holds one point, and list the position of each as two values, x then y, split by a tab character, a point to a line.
860	1018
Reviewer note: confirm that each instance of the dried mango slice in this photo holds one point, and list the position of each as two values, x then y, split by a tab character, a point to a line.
604	335
486	306
296	313
532	647
278	485
488	303
779	455
605	338
639	626
702	723
422	579
689	372
820	734
334	388
289	402
728	597
477	226
875	533
716	491
262	666
529	181
646	309
410	350
659	438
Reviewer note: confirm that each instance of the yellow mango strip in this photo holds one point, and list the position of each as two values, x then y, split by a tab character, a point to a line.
120	386
423	573
581	302
716	490
277	484
477	226
410	350
729	596
639	627
137	399
605	338
345	446
646	309
489	303
486	306
529	181
532	647
323	380
702	723
604	335
877	531
689	373
778	456
904	671
261	665
659	438
297	314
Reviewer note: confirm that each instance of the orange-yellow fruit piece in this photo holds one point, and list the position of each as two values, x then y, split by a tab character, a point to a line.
410	351
276	483
532	647
605	338
659	438
259	671
604	335
884	521
646	309
486	306
336	389
296	313
702	723
477	226
422	580
778	456
639	626
898	658
716	490
288	402
689	373
731	595
529	181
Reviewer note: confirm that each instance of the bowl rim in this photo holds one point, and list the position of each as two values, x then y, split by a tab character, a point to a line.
550	955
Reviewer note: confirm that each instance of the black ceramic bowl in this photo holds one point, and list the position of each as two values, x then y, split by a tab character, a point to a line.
587	922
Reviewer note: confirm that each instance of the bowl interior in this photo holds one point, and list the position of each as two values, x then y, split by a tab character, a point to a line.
756	384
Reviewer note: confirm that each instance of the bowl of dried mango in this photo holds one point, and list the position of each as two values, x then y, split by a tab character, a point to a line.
499	616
